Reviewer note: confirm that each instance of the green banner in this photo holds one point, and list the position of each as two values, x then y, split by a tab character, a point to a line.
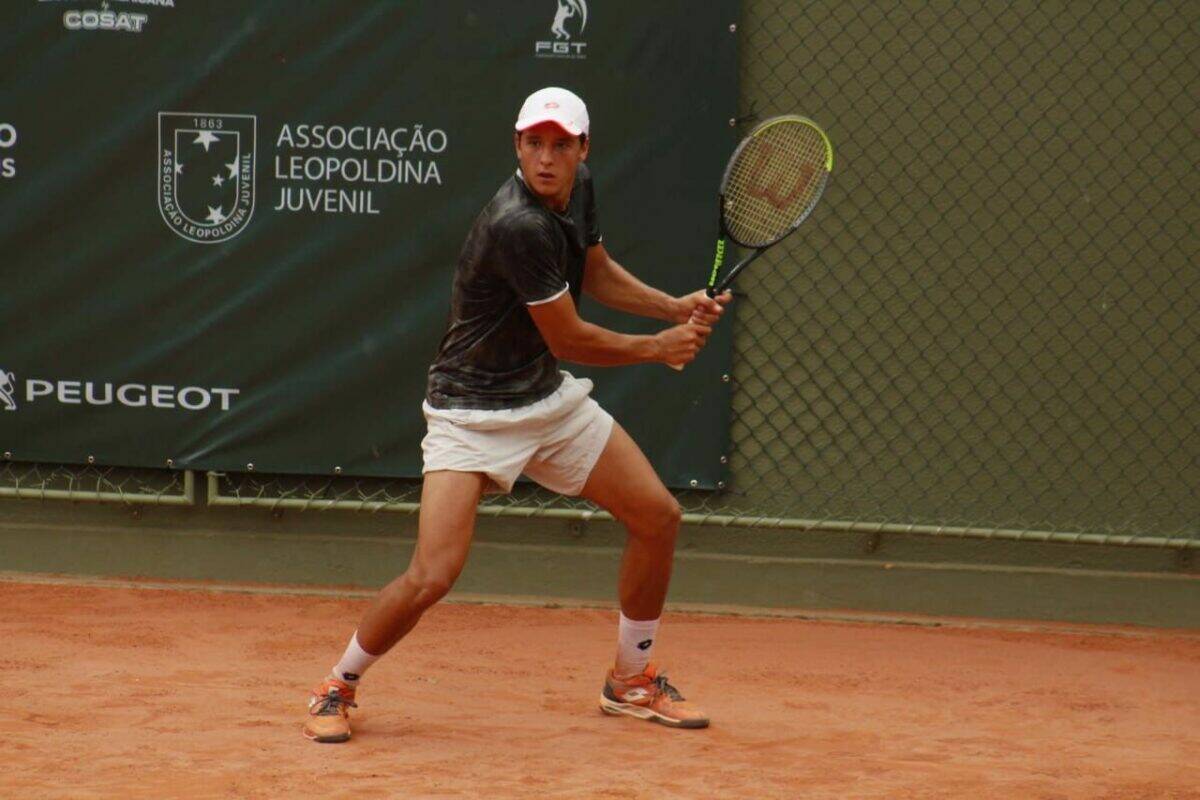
228	229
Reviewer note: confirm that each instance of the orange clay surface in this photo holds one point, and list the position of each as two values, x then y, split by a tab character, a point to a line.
150	693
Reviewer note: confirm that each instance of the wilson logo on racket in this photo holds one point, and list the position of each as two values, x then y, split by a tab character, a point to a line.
773	190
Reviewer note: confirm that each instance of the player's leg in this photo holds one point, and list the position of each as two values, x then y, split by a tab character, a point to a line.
447	523
445	528
624	483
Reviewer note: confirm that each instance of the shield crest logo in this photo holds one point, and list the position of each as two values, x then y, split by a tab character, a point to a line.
206	173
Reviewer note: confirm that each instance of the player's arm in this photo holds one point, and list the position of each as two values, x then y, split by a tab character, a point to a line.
571	338
614	286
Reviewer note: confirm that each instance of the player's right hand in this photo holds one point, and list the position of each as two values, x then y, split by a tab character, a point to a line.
680	344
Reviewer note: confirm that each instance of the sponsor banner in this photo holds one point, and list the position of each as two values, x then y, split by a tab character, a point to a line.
229	229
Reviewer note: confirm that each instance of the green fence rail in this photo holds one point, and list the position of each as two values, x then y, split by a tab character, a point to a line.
989	326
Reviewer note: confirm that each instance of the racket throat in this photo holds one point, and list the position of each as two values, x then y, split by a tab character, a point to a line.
733	273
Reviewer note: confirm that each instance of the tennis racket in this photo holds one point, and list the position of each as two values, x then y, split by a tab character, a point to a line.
771	184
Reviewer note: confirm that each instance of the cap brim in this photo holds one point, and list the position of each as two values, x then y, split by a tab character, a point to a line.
524	125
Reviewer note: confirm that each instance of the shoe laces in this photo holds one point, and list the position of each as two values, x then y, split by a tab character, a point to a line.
660	680
331	703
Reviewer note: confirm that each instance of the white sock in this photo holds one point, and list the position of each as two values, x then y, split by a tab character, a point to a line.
354	662
635	640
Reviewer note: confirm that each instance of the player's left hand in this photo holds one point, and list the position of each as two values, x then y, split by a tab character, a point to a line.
701	309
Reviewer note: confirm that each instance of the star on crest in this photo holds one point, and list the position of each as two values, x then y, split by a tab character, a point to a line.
204	139
218	180
215	215
232	166
178	167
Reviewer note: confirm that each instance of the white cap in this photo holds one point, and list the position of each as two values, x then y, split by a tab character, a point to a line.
552	104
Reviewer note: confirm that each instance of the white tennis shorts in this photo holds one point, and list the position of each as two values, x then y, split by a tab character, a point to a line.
555	441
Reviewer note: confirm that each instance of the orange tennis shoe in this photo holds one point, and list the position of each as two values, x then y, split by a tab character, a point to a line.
329	712
650	697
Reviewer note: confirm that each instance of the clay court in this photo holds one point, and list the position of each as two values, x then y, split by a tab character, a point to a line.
191	693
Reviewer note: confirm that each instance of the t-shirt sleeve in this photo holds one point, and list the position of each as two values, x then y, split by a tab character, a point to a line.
526	258
592	234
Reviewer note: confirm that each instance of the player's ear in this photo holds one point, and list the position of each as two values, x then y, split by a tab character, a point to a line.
517	143
586	141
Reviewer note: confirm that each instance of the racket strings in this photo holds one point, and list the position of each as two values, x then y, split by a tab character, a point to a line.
774	182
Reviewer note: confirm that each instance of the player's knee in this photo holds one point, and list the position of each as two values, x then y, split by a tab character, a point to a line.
659	520
672	516
432	584
433	588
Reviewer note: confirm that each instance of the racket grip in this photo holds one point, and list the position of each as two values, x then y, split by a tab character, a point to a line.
711	292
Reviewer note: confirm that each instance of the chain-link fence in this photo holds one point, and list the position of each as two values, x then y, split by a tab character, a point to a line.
93	483
989	325
992	318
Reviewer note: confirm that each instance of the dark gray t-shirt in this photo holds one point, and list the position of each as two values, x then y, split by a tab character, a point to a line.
518	252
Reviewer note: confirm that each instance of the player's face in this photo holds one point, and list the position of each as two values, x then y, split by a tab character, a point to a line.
549	157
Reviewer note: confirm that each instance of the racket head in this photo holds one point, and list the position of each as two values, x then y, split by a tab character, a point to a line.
774	179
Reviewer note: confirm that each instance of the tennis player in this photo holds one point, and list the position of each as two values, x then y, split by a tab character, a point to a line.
498	405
